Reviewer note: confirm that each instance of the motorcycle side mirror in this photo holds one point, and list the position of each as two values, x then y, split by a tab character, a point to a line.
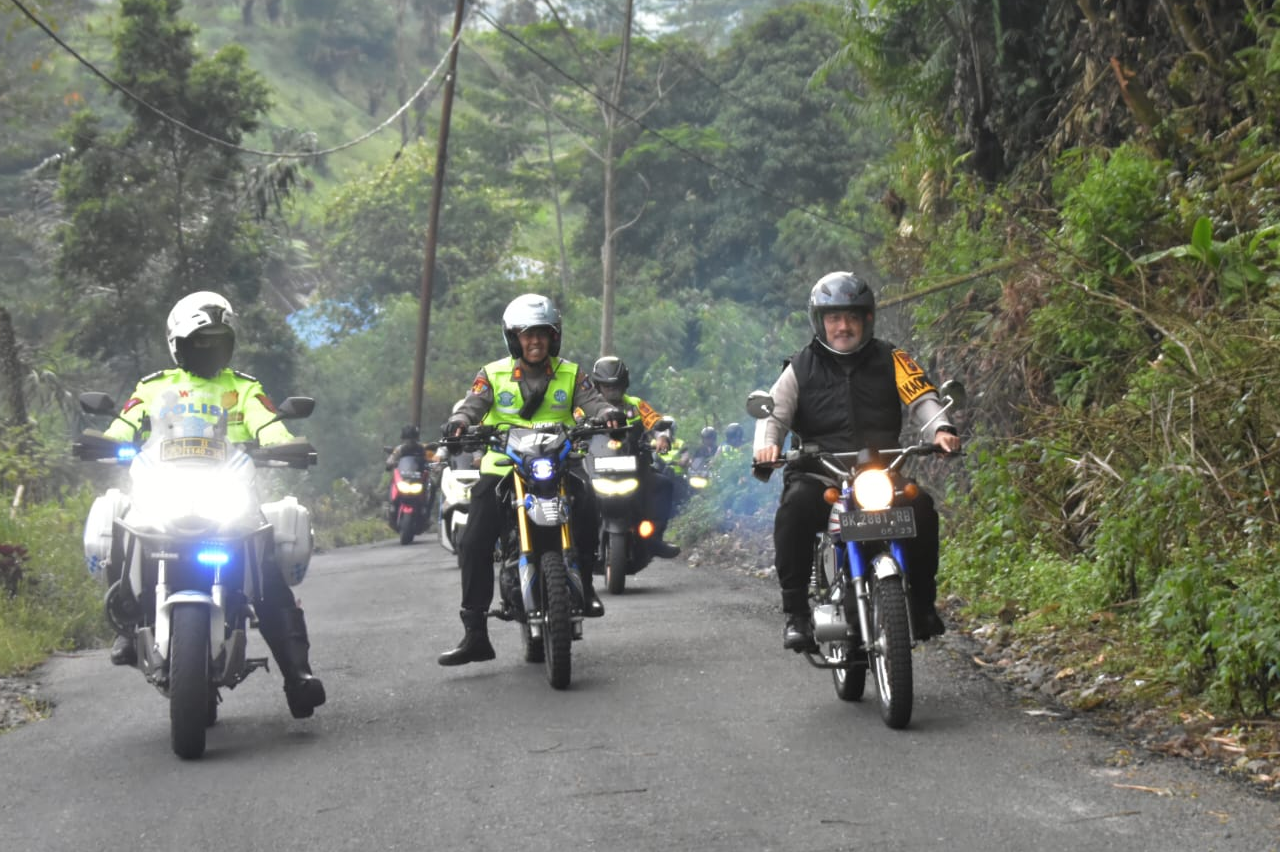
97	402
296	408
954	390
759	404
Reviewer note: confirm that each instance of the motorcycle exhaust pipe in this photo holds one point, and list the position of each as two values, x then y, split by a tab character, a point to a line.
829	624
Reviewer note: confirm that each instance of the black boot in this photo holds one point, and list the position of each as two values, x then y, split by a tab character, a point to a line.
123	651
595	608
797	635
475	646
664	549
285	632
925	621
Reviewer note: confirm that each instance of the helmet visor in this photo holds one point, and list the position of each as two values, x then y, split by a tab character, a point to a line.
207	352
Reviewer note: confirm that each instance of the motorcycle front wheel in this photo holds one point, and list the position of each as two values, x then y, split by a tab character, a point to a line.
405	526
891	657
557	627
615	562
188	679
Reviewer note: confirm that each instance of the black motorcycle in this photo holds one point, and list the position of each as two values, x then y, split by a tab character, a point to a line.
617	466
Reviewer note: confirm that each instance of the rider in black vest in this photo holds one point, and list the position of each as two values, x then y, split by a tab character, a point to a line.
846	391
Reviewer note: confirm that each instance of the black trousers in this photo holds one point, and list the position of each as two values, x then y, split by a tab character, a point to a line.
484	525
659	492
802	515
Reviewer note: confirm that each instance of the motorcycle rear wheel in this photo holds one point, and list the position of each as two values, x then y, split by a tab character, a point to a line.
615	558
892	658
405	526
188	679
557	627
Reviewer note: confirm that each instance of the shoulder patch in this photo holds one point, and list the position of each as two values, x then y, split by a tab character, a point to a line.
245	376
151	377
481	385
910	378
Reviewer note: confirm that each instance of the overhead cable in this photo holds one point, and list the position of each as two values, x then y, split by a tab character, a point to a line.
283	155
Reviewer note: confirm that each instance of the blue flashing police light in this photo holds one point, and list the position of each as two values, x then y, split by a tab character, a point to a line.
214	557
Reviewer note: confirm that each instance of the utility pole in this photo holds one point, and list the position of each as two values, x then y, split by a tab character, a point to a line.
433	224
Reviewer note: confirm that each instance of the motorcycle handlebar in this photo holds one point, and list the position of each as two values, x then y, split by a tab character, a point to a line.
898	454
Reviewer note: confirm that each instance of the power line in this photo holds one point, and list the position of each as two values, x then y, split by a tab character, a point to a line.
283	155
741	181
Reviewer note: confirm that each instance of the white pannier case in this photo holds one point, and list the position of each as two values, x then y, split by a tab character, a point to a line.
291	530
97	529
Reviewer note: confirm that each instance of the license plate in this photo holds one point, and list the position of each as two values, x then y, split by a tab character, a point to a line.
193	448
876	526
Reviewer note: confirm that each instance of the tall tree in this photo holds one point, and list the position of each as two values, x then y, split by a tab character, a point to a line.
157	209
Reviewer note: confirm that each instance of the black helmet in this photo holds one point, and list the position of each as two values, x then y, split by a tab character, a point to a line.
708	433
611	372
733	434
410	433
526	312
841	291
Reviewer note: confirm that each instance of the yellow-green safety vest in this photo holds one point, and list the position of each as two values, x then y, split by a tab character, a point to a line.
556	405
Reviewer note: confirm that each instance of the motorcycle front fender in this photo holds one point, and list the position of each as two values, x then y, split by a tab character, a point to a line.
885	567
615	524
216	620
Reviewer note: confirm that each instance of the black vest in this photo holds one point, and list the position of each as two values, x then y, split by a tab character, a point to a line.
847	402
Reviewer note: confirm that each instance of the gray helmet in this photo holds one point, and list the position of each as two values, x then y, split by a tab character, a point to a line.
841	291
526	312
733	434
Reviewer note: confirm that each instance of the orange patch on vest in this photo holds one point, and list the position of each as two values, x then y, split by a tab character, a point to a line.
910	378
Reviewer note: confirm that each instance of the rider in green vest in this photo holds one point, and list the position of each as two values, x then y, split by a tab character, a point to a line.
201	335
533	385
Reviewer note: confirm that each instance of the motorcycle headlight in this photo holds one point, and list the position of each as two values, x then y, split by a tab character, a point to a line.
698	482
410	487
542	469
873	489
186	494
615	487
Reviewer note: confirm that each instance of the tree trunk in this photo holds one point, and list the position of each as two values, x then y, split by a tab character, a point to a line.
555	199
612	120
11	366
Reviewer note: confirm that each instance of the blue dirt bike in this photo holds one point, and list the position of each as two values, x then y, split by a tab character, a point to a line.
858	591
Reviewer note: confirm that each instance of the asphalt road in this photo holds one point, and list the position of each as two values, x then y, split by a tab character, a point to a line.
687	726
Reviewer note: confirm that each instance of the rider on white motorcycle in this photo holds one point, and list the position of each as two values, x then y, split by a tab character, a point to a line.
201	335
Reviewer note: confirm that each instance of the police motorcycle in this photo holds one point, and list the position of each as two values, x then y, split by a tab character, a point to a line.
859	582
193	545
539	574
458	472
615	463
411	497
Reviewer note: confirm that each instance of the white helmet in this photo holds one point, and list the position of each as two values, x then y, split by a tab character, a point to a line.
201	333
526	312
